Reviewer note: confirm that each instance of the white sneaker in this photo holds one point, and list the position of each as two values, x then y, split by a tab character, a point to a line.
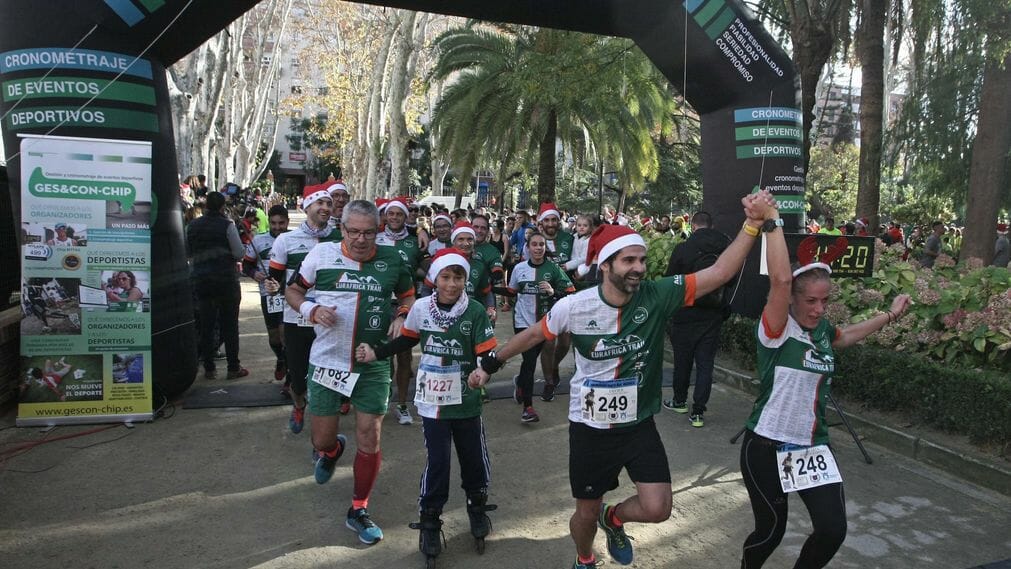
404	415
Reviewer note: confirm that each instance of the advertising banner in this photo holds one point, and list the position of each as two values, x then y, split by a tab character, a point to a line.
86	213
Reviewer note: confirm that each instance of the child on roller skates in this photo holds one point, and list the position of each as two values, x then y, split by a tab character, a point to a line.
454	331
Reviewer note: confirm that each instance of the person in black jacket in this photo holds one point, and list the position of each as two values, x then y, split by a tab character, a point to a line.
695	331
213	243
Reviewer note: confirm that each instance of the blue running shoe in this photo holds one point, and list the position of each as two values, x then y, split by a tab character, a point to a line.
359	522
592	565
297	419
325	464
618	544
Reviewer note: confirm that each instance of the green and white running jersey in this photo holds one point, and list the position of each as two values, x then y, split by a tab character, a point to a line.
614	343
288	251
795	369
360	295
470	335
258	251
489	255
407	248
531	303
560	248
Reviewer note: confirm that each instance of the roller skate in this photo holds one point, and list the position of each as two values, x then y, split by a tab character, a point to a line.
431	539
480	523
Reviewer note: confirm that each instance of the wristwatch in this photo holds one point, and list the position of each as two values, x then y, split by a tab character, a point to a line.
770	225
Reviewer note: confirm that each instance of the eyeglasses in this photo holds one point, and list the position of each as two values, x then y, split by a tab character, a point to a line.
355	234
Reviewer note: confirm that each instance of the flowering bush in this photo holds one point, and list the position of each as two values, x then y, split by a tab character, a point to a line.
961	314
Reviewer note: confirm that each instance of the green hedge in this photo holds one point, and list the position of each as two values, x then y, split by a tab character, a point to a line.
954	399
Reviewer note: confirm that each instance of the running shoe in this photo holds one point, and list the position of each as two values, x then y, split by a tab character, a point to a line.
618	544
529	415
324	465
297	419
237	373
359	522
696	419
404	415
345	407
676	406
548	394
210	374
279	371
591	565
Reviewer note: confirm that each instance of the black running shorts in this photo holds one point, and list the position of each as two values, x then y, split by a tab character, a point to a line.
596	457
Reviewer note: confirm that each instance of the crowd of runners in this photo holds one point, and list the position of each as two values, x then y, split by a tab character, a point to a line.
348	294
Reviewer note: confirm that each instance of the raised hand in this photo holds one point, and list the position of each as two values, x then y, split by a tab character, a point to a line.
900	305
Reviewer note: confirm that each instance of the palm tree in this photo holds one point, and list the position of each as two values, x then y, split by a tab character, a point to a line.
515	91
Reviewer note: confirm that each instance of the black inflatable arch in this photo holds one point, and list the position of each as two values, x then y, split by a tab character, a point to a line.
732	72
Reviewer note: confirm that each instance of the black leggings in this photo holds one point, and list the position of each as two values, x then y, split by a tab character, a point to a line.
825	504
525	381
297	344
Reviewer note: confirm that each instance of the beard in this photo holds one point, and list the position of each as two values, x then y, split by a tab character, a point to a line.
622	282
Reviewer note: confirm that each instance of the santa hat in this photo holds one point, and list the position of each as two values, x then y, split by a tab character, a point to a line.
809	257
446	257
1002	228
398	202
381	203
312	194
861	223
548	209
605	241
462	226
336	186
443	217
647	221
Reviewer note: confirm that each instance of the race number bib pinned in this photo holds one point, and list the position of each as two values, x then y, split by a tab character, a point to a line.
275	303
802	467
341	381
439	385
611	401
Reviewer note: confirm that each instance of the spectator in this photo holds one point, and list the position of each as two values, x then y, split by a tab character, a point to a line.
830	228
213	243
1001	252
932	248
694	331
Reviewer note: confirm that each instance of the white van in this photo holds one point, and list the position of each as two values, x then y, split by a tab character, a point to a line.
447	202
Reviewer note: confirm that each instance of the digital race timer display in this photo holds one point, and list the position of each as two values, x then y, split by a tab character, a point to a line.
857	261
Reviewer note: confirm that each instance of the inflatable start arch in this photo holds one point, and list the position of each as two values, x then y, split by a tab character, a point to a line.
95	69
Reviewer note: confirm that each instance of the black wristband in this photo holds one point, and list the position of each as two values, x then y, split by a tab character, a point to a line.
490	363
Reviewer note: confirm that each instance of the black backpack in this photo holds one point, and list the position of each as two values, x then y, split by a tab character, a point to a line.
717	299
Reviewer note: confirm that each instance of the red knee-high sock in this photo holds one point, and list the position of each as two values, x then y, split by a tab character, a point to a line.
366	471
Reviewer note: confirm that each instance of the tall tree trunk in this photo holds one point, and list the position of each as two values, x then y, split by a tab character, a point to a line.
400	77
813	43
871	49
375	124
988	172
546	160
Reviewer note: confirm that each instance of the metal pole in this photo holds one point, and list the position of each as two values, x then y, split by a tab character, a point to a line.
600	190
